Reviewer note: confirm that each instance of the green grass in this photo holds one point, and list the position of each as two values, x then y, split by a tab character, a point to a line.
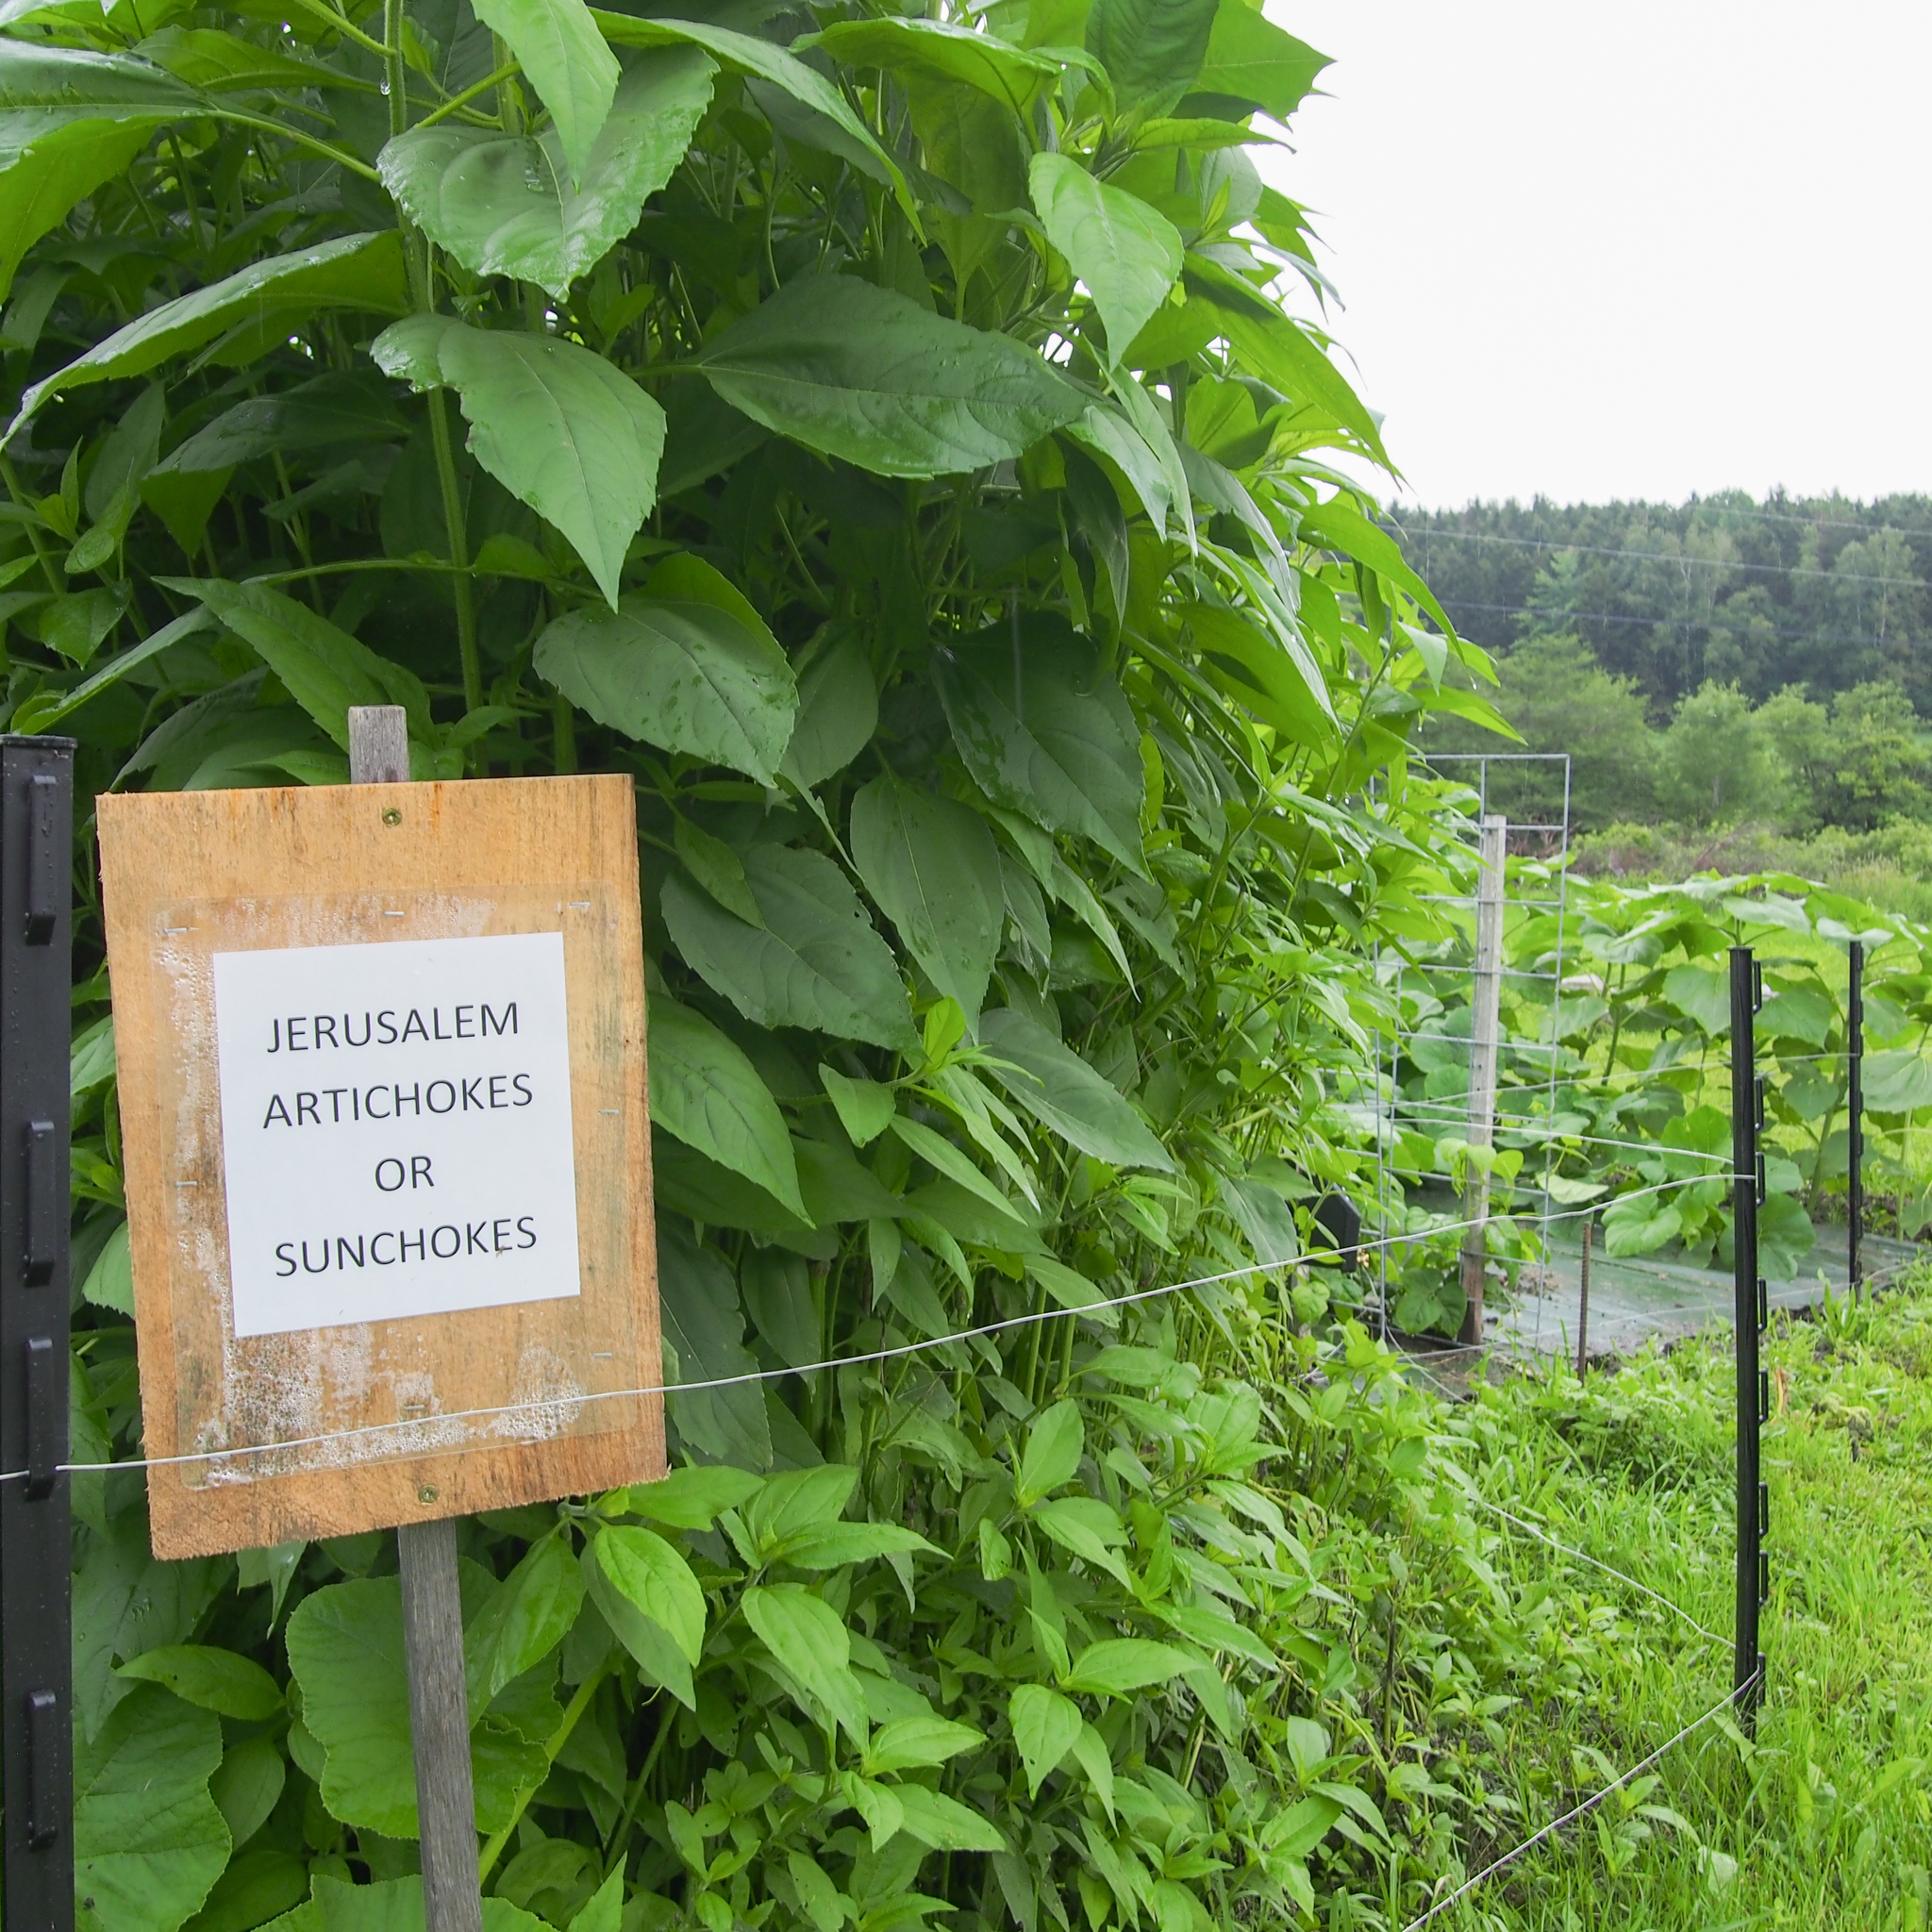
1824	1820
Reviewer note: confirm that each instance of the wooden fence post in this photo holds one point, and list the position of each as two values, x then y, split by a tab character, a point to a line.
426	1554
1485	1019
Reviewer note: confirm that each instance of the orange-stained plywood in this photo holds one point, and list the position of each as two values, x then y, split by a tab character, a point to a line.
328	1431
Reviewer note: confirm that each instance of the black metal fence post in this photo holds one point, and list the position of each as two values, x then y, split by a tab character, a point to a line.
1854	1101
1747	1192
36	1590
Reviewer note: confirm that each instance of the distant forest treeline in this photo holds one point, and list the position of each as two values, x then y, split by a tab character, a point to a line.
1823	592
1711	665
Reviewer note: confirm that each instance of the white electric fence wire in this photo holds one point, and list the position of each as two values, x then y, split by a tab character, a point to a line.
1597	1562
1556	1824
1442	1114
895	1353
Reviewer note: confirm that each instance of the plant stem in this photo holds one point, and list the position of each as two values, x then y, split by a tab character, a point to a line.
395	66
468	95
620	1833
492	1849
459	549
341	158
16	490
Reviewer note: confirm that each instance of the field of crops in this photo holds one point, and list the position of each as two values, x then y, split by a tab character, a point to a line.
1614	1069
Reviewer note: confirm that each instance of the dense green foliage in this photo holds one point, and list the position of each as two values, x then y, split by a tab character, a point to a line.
885	444
1613	1077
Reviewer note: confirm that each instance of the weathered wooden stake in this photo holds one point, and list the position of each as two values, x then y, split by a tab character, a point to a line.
426	1554
1485	1019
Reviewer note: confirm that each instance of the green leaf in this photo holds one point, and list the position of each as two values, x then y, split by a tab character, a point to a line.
560	428
1641	1226
358	272
692	1498
45	87
1088	1529
1703	993
1152	430
1055	1444
806	1637
110	1281
256	1887
649	1574
937	50
806	84
324	669
524	1618
1272	346
1301	1827
816	962
390	1904
605	1912
336	409
1785	1236
705	1092
910	1742
687	664
718	869
838	711
864	1107
799	1504
126	1602
864	374
1127	253
502	203
1060	1089
1253	61
703	1343
560	46
1118	1665
148	1840
216	1681
1281	682
346	1649
934	870
1350	532
1091	1752
1051	738
1105	430
941	1153
221	62
824	1904
944	1824
1152	49
1897	1082
839	1543
247	1785
1044	1726
43	179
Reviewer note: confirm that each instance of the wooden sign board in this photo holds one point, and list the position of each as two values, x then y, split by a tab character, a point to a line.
384	1124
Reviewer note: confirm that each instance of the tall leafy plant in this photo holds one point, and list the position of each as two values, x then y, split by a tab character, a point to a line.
882	437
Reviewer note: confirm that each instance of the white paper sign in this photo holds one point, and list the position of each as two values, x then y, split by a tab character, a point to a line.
395	1130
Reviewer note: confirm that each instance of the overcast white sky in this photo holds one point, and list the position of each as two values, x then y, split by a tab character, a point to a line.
1595	251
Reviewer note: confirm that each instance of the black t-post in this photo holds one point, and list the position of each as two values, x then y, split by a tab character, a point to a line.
36	1560
1855	1135
1747	1192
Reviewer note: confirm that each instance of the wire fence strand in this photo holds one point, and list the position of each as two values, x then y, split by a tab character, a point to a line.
420	1425
1590	1803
